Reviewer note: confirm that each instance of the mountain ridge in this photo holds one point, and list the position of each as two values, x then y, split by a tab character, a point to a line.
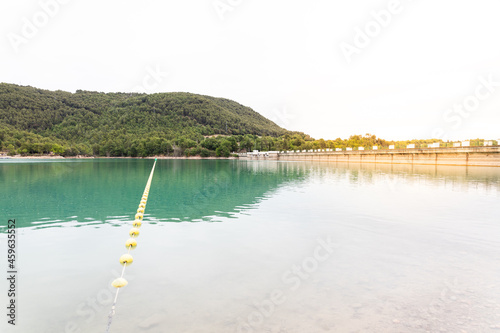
98	123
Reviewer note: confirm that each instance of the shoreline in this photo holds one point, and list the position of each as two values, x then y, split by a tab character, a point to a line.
160	157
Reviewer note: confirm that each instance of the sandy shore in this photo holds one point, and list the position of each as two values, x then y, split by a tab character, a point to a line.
31	157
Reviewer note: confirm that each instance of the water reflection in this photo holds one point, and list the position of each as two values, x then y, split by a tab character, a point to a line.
415	249
205	190
92	192
455	177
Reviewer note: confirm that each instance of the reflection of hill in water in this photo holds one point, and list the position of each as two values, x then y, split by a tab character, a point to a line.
82	192
199	190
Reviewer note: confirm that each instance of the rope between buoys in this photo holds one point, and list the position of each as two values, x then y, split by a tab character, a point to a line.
127	259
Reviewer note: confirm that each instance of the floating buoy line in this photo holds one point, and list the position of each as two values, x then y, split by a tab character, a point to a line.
130	244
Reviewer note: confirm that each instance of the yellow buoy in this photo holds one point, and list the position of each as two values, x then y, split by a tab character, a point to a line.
120	282
140	210
137	223
139	216
134	232
142	205
131	243
126	259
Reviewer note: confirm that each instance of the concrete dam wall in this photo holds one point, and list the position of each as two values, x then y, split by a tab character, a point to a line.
462	156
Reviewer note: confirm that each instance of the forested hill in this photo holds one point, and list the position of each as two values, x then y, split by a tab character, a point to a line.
118	124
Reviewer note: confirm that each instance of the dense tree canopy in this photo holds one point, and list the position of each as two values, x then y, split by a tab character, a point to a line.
118	124
36	121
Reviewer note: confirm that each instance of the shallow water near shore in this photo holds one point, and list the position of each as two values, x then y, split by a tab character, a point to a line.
251	246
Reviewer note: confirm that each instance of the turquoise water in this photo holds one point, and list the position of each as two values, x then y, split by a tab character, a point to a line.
82	192
248	246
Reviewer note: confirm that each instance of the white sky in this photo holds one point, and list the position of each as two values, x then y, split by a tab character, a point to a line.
281	58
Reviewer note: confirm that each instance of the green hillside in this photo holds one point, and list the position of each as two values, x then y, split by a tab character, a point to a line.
120	124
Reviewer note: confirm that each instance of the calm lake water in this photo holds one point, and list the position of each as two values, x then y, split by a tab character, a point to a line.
247	246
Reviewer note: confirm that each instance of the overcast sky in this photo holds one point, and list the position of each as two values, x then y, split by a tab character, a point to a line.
397	69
